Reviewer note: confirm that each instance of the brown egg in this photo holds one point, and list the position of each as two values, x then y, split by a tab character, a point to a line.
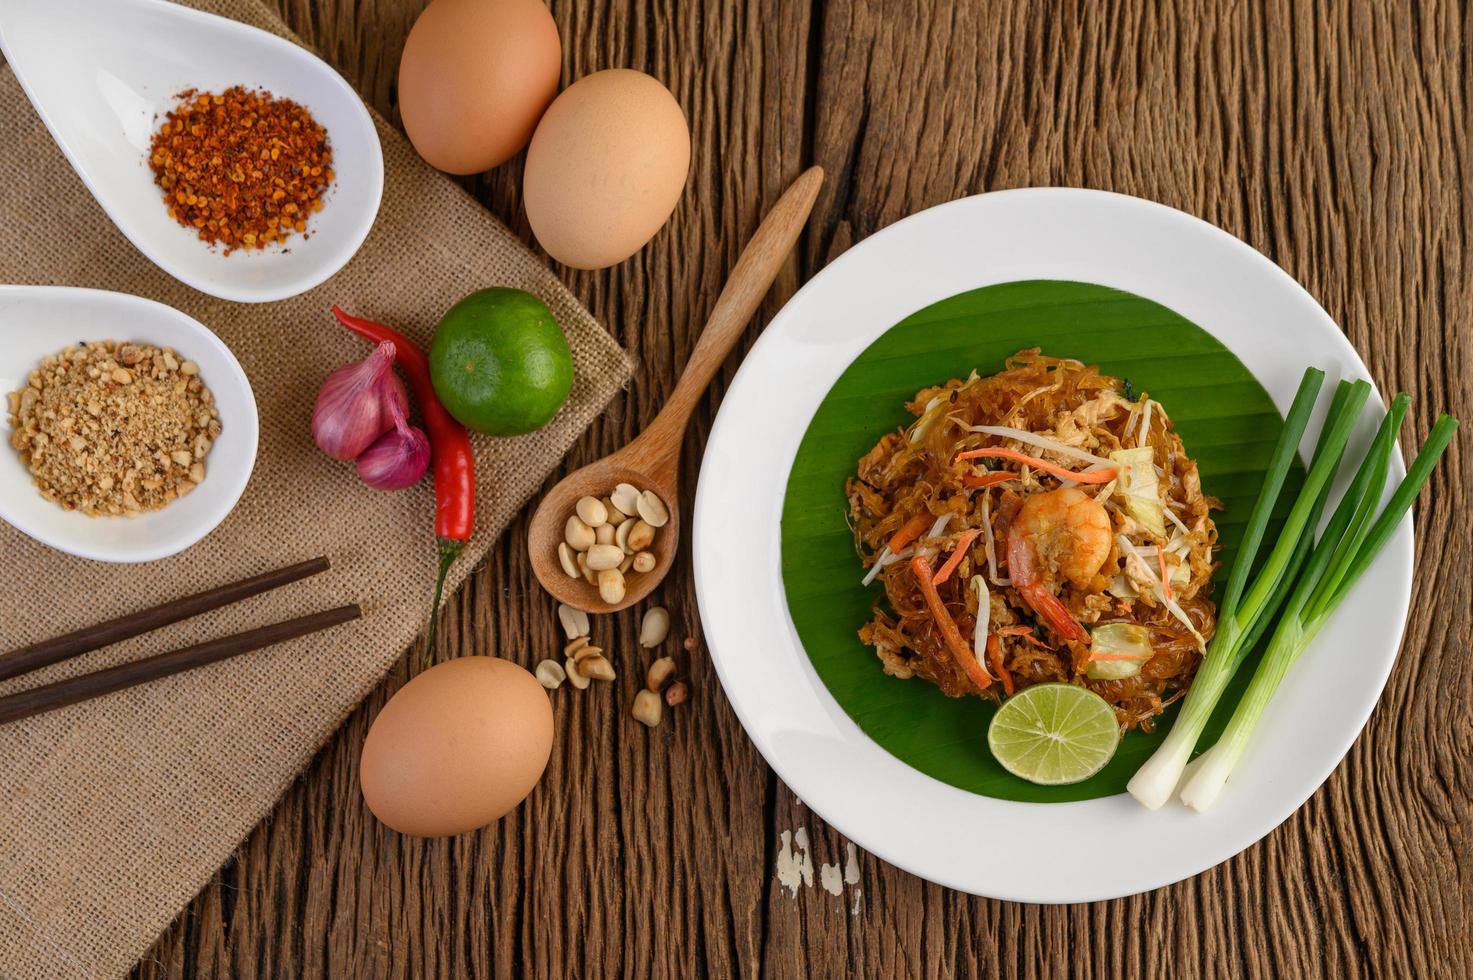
605	168
474	79
457	747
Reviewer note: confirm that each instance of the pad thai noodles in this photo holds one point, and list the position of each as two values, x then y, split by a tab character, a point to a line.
1043	524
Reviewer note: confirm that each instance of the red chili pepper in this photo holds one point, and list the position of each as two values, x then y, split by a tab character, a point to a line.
450	452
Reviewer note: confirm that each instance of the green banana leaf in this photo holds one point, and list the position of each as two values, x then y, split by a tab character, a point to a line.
1225	418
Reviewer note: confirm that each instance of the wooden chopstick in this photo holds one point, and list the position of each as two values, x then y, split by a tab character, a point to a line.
89	638
70	691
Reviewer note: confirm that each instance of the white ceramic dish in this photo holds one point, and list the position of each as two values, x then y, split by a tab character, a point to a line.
101	73
1206	275
40	320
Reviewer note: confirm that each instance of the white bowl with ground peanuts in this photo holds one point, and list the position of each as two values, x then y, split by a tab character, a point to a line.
130	429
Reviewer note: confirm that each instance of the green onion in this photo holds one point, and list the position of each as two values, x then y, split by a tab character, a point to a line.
1349	545
1244	612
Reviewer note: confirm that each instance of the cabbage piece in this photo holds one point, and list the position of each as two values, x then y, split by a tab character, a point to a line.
1121	588
1140	488
1126	644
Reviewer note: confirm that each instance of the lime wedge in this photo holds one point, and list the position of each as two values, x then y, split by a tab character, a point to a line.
1053	734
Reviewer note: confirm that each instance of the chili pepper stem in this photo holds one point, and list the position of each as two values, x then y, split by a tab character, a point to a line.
449	551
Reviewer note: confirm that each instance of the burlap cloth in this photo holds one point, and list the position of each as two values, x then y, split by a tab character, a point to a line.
115	812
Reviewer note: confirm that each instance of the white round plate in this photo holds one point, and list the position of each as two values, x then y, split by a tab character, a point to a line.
40	320
1114	846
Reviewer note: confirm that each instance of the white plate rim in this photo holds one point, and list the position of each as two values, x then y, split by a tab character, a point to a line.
750	635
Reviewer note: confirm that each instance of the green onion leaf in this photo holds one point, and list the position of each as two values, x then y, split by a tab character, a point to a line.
1396	508
1348	547
1282	460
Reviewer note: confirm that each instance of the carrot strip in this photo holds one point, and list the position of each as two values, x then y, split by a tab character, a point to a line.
977	481
1165	575
965	659
994	654
1093	476
908	532
1026	632
962	544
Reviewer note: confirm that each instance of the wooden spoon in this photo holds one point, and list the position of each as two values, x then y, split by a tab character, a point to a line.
652	460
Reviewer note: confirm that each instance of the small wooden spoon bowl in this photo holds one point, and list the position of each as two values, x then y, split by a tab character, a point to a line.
598	480
652	461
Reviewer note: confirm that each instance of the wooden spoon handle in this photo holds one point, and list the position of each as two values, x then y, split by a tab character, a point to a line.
750	279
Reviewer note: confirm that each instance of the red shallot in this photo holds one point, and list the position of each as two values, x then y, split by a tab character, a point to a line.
398	458
354	406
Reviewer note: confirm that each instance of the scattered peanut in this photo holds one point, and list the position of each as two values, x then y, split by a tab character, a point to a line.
550	674
574	621
583	652
654	627
597	668
588	574
574	677
567	558
677	693
644	561
621	535
592	512
574	645
659	674
647	708
611	586
604	534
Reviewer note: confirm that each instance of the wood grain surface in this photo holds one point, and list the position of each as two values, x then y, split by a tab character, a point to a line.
1334	137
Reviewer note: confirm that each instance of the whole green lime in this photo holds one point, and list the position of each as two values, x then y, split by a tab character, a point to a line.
500	362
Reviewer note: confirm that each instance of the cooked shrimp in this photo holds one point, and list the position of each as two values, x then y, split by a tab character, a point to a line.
1062	533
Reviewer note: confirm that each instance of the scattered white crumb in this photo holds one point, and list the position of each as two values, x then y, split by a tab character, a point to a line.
858	900
831	878
851	866
794	870
787	868
806	865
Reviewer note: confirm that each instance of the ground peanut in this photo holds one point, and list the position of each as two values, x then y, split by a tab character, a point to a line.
109	440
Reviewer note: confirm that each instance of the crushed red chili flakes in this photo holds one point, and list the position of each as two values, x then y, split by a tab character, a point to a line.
242	167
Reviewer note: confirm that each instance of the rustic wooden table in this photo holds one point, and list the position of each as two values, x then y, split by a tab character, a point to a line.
1332	136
